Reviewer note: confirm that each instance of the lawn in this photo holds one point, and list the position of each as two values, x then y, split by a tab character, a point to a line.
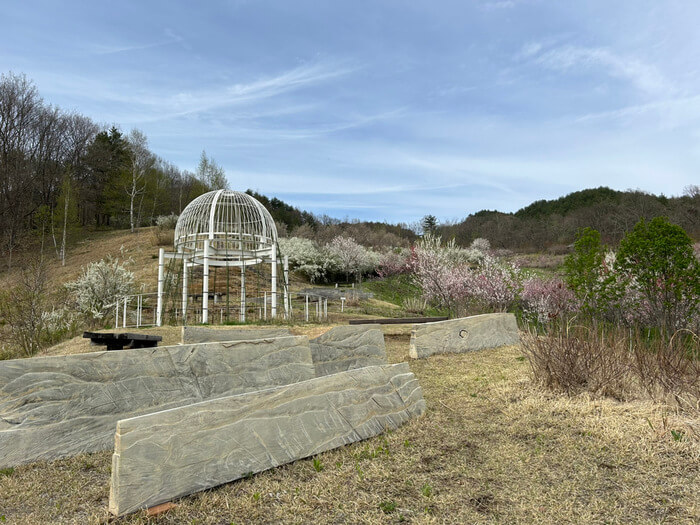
491	448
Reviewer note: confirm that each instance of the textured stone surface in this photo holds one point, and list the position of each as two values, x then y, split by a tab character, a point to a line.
52	407
203	334
165	455
463	335
347	347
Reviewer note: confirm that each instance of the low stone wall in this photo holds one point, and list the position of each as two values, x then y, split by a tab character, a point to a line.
52	407
463	335
165	455
347	347
203	334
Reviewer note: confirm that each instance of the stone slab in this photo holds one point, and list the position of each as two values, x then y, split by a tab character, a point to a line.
52	407
465	334
203	334
344	348
165	455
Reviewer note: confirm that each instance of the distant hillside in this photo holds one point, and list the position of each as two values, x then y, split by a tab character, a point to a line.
292	221
546	223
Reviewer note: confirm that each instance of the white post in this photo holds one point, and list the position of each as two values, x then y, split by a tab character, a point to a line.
242	316
306	308
325	308
342	304
205	284
273	303
286	286
318	308
124	318
161	280
138	311
116	315
265	306
184	290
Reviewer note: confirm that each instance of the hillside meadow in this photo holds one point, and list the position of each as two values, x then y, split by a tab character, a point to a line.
492	448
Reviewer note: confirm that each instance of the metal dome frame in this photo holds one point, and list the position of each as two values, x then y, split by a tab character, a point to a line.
223	228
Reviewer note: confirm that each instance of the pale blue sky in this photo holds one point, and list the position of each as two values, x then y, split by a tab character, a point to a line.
384	110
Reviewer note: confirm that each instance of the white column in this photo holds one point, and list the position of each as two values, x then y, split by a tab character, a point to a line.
184	290
286	286
306	308
273	298
242	316
161	280
205	284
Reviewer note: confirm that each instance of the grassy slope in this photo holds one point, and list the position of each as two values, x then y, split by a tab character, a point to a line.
492	448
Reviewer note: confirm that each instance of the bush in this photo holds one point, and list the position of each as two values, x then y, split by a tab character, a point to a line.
450	279
165	224
99	287
546	301
617	362
22	309
660	273
588	273
579	359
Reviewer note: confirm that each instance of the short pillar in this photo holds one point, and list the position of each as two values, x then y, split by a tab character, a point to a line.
161	280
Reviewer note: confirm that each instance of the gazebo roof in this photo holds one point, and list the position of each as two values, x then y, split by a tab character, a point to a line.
238	227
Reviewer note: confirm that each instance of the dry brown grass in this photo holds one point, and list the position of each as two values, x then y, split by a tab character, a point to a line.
492	448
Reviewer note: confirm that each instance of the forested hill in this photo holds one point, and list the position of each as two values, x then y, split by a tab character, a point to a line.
547	223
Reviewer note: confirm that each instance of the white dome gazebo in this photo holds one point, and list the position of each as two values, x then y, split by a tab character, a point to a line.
223	228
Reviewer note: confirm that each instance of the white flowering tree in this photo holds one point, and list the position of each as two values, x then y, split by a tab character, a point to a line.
306	258
353	258
100	285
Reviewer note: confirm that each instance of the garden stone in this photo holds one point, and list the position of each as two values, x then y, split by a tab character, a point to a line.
169	454
346	347
203	334
52	407
465	334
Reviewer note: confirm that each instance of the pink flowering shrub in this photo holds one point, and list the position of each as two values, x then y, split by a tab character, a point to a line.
394	262
450	281
493	285
547	300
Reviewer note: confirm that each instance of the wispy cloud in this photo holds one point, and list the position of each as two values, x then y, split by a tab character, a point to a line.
499	4
110	49
644	76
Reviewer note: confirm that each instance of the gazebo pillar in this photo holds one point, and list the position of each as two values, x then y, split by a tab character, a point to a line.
205	284
287	304
273	284
185	285
242	316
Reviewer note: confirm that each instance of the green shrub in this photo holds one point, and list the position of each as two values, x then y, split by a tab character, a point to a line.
659	270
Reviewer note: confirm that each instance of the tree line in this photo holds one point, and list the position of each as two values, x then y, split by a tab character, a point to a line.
61	172
546	224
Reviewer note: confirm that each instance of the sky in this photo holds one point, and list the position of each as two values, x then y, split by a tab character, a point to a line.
384	110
